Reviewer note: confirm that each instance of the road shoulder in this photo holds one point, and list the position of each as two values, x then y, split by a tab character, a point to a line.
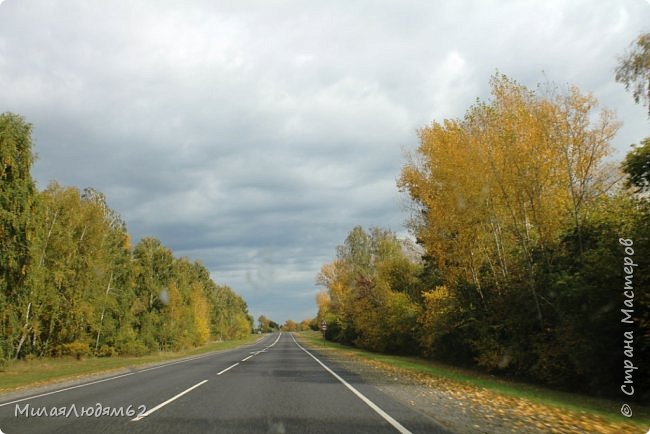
465	408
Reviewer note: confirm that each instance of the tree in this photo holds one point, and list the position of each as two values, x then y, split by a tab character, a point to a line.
493	189
16	200
634	70
493	195
367	302
17	193
637	167
200	312
263	324
304	325
290	326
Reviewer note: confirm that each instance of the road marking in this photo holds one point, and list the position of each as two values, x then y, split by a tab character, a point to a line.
189	359
276	341
173	398
68	388
254	353
228	368
107	379
398	426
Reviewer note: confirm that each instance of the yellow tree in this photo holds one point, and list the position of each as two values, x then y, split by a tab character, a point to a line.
336	299
290	326
304	325
200	311
493	188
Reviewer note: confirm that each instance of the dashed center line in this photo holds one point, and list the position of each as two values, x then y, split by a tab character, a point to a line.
228	368
173	398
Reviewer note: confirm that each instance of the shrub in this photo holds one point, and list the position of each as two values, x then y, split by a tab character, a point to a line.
76	349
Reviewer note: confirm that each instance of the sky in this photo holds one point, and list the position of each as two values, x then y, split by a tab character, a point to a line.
254	135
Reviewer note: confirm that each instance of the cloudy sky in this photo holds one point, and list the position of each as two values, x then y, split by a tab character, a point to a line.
253	135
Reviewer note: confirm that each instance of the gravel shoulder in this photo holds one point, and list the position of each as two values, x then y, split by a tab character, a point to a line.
464	408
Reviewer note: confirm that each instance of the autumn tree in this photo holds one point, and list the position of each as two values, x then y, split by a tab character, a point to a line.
263	324
290	326
494	187
492	195
304	325
520	246
367	300
323	300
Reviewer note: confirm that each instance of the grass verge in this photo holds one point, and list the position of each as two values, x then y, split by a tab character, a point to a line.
606	409
21	374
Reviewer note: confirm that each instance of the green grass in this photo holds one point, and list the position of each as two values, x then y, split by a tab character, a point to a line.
607	409
20	374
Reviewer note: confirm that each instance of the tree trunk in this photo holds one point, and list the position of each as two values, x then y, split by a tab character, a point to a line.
26	329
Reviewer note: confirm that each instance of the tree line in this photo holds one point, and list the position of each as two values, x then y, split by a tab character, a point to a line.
266	325
72	283
521	227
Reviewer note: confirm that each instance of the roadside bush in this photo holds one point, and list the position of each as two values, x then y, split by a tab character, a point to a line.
127	344
76	349
106	351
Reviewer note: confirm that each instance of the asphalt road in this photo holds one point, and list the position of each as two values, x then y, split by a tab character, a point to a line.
272	386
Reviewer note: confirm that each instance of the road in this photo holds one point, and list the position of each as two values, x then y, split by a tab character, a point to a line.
272	386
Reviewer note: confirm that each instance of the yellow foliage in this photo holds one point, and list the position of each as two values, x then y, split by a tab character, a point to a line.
503	180
200	309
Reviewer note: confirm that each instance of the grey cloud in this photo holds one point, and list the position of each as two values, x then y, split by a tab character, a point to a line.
254	136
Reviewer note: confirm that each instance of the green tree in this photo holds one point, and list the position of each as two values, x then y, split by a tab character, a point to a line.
17	192
637	167
70	282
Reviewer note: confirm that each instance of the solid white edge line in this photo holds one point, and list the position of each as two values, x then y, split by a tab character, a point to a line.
189	359
246	358
228	368
398	426
161	405
67	388
108	379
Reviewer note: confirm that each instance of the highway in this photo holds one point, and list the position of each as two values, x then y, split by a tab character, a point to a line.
272	386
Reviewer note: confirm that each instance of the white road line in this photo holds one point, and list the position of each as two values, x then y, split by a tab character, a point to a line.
398	426
67	388
228	368
246	358
276	341
173	398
